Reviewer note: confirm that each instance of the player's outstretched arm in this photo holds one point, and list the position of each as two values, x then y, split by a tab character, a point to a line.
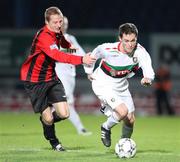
88	59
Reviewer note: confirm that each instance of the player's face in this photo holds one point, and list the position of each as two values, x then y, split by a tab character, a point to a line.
128	42
55	22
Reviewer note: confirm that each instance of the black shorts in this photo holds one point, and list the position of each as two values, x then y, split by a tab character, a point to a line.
45	94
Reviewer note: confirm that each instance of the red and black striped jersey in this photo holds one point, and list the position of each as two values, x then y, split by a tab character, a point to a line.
40	64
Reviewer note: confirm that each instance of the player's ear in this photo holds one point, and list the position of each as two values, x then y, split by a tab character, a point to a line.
46	22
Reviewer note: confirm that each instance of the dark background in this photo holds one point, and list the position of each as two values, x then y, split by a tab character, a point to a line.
93	22
149	16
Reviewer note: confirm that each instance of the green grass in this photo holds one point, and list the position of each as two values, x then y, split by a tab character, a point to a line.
21	140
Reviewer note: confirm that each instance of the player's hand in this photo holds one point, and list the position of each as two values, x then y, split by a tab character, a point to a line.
89	76
146	82
88	59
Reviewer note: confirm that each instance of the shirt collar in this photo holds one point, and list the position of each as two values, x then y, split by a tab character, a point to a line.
49	31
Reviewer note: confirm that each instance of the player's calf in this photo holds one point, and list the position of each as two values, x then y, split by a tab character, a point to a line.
49	134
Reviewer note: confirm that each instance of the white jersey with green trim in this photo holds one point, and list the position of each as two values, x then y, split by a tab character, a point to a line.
116	67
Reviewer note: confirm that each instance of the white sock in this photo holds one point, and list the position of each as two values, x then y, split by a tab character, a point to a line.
111	121
75	119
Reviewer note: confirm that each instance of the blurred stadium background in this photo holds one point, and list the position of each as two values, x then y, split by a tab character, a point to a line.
92	22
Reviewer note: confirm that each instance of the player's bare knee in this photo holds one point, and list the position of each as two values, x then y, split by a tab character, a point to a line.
129	121
48	120
132	120
122	111
63	115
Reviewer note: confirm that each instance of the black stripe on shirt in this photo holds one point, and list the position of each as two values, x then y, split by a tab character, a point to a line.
33	47
44	68
31	68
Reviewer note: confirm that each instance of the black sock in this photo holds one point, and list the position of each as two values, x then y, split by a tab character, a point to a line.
54	142
127	131
49	133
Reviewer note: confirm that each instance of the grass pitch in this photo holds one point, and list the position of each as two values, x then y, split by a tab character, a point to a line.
21	140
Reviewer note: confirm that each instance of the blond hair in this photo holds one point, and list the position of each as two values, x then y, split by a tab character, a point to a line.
52	11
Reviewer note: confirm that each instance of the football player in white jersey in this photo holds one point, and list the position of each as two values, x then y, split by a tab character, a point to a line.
67	73
119	61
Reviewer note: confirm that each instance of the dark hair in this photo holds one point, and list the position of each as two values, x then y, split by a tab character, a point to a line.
52	11
127	28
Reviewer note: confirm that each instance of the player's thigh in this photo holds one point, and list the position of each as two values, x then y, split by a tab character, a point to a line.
122	110
113	100
105	94
57	98
38	95
127	100
62	109
56	93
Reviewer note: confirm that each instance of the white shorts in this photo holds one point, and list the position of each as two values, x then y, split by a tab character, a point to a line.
68	82
113	98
